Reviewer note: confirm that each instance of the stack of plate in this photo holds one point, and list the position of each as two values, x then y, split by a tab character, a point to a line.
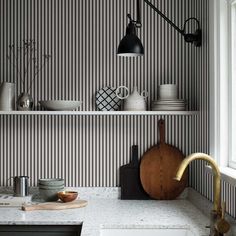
48	188
169	105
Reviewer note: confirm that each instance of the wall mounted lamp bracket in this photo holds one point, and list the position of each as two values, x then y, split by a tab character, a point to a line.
195	38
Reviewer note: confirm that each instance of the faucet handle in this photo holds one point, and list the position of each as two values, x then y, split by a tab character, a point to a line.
223	206
222	226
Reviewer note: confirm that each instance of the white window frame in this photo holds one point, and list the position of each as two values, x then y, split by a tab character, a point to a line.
232	61
220	57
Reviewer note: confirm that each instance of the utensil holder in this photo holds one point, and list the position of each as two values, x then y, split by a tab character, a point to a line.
21	186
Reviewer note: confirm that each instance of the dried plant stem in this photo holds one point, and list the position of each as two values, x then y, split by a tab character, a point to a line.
26	62
15	59
35	75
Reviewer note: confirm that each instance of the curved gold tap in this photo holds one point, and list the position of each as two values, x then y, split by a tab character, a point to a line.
216	172
218	225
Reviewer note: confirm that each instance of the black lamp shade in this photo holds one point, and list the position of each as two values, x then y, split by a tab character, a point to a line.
130	46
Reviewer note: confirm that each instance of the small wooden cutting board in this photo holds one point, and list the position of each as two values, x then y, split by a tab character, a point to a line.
54	205
130	183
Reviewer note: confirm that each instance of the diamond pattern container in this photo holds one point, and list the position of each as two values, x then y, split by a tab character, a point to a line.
106	99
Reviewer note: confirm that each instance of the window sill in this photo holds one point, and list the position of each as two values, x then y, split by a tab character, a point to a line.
227	174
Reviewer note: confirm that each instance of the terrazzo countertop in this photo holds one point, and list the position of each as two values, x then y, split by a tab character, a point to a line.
105	210
111	213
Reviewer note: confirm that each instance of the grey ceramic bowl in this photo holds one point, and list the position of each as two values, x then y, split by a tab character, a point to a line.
48	187
50	195
51	182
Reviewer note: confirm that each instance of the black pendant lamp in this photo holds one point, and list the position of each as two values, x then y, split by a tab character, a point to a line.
131	45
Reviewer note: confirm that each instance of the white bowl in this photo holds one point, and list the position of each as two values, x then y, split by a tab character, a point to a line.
60	105
167	91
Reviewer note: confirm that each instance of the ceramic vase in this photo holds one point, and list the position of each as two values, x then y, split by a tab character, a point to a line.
25	102
133	101
7	96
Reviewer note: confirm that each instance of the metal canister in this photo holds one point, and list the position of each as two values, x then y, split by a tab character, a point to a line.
21	186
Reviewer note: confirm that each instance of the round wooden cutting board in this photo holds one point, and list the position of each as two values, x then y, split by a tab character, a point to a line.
158	168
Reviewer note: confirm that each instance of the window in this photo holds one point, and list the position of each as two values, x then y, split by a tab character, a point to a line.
223	85
232	83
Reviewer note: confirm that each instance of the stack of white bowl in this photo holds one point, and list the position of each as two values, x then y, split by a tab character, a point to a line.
168	99
48	188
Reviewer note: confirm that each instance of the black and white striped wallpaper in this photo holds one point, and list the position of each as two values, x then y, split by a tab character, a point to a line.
82	37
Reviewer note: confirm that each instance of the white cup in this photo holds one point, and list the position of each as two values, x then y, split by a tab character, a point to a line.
167	92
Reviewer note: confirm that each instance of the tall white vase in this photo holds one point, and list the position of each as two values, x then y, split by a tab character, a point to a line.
7	96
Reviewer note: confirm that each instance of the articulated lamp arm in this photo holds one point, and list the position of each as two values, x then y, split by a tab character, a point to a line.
131	45
195	38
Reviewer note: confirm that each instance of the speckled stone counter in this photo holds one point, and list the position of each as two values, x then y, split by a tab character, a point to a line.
111	213
104	210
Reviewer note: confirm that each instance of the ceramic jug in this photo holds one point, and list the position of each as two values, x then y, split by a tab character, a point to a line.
7	96
133	101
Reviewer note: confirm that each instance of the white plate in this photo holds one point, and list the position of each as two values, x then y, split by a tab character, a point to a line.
60	105
169	109
169	105
169	102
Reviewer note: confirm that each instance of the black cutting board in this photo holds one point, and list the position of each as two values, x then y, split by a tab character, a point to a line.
130	183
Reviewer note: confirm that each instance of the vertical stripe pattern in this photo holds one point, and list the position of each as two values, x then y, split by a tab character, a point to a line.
82	37
85	150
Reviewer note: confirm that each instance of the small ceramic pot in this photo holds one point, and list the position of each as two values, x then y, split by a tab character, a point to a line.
25	102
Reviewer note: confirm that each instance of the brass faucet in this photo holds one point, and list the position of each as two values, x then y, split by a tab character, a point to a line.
216	214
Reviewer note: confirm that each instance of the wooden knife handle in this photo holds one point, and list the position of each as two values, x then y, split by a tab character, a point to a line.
134	160
161	125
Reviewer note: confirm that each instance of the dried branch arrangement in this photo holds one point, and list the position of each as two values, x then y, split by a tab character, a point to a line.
27	61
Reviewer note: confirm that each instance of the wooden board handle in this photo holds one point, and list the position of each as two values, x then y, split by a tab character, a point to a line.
32	207
134	159
161	125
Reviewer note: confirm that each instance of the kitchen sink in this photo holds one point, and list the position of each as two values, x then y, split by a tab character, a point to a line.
146	232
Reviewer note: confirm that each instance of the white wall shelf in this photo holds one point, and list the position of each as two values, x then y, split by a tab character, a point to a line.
100	113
